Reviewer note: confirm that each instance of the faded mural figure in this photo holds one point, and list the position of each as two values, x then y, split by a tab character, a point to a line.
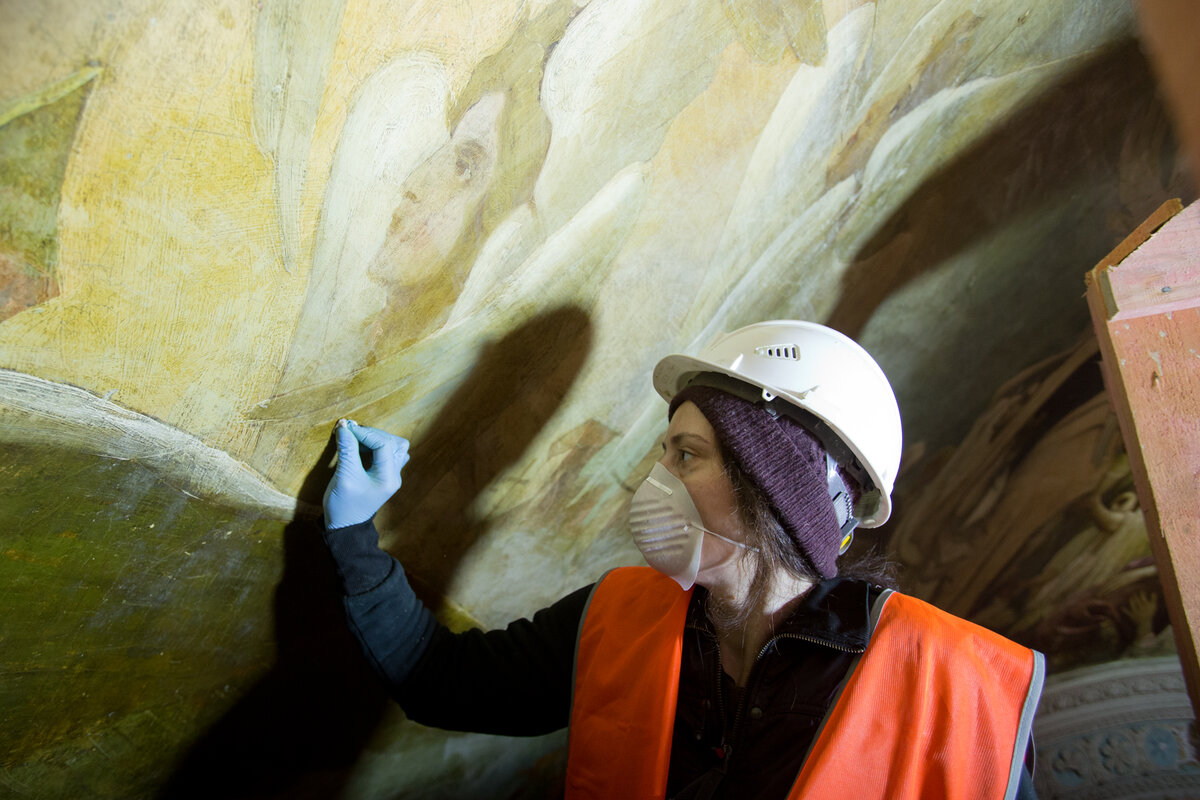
413	279
744	661
1032	526
423	263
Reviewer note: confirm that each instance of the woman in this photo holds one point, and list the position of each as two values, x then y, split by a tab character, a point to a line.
741	664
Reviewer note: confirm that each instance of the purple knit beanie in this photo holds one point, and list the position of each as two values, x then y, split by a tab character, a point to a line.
784	461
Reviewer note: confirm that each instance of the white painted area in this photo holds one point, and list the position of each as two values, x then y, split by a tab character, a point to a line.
622	71
34	411
397	121
294	44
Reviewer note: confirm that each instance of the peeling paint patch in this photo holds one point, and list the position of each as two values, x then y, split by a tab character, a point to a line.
1157	376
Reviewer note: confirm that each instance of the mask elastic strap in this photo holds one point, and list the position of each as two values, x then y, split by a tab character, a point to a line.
662	487
742	545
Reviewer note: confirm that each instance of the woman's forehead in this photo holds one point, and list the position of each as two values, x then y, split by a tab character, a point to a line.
688	420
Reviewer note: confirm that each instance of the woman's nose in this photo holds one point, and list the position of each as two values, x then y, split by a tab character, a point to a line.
665	461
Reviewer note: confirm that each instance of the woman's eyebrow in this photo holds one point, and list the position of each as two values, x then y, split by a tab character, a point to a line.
685	438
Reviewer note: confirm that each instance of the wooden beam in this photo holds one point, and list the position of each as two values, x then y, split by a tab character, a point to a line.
1145	304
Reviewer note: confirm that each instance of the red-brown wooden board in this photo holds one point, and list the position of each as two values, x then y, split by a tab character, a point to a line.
1145	305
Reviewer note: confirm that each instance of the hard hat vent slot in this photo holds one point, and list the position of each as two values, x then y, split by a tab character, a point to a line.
787	352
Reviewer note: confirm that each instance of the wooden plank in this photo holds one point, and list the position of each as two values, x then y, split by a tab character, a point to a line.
1151	365
1165	275
1141	233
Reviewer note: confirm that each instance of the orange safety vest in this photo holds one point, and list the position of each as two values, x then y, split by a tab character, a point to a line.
937	707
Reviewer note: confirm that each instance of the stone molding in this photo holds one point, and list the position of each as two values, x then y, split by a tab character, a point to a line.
1118	730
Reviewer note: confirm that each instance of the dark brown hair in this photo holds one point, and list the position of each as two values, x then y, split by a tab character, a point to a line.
776	550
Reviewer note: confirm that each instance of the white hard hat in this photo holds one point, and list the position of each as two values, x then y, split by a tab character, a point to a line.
842	395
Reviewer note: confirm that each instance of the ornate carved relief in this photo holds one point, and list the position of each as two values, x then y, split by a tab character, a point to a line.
1118	730
1032	526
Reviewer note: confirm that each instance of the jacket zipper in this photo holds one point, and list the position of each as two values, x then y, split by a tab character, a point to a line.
726	747
803	638
723	749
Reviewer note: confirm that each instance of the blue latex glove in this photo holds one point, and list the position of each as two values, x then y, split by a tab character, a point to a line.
354	494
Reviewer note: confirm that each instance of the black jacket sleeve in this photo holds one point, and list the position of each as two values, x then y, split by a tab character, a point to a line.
515	681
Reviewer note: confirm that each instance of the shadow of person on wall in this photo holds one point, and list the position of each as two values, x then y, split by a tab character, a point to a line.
516	385
985	258
299	730
1073	136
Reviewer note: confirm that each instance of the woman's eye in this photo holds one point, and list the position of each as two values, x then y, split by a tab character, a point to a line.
684	455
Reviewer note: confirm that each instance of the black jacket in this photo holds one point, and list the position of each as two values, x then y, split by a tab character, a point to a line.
728	741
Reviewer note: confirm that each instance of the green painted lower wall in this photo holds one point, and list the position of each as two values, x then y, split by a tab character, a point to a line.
133	617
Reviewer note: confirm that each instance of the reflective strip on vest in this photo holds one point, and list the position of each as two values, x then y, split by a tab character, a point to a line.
937	707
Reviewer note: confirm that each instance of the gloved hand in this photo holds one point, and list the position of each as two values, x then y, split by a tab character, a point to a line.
354	494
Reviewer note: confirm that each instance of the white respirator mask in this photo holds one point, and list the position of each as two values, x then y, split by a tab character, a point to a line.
667	529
